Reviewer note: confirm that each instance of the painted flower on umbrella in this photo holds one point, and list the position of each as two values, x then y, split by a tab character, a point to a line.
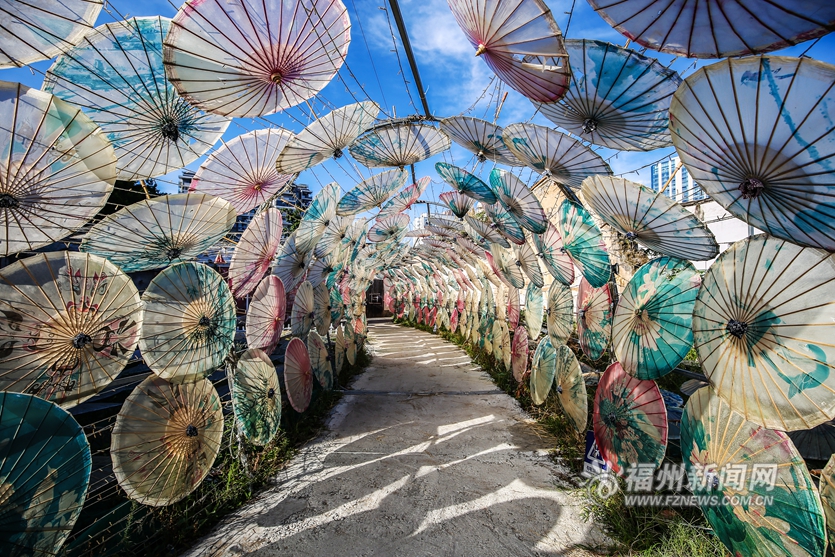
594	318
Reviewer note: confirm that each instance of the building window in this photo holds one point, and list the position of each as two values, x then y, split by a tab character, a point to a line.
654	177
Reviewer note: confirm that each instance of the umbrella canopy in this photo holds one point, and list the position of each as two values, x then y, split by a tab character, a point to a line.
519	353
505	224
513	307
320	360
339	347
583	241
189	322
255	58
326	137
45	465
330	243
255	252
504	33
291	264
60	168
534	310
554	154
715	439
653	219
301	317
519	201
69	323
527	261
617	98
504	265
763	153
543	369
256	397
480	137
372	192
652	331
708	30
242	171
817	443
321	309
404	199
459	203
265	316
560	314
762	329
630	420
156	232
317	217
116	75
466	183
388	228
298	375
485	230
827	494
571	388
557	260
165	439
34	32
595	310
400	144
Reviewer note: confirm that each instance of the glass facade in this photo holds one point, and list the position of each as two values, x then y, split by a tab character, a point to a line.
682	188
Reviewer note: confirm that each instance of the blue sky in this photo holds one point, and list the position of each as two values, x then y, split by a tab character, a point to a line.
454	78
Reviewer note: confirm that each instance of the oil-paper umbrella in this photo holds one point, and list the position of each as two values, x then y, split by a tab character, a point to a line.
583	241
265	315
595	311
322	309
498	336
116	75
255	252
504	33
255	58
330	243
291	264
69	323
617	98
556	258
763	153
466	183
242	171
302	314
339	347
505	224
60	169
317	217
298	375
388	228
256	397
554	154
559	317
571	388
372	192
459	203
404	199
514	311
45	465
34	32
326	137
630	420
165	439
480	137
189	322
504	265
485	230
649	217
519	353
534	310
763	332
817	443
741	464
519	200
652	329
527	261
543	368
708	30
398	144
156	232
320	360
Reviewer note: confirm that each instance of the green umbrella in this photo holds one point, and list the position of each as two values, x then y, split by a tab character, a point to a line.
543	369
45	469
583	241
652	329
320	359
256	398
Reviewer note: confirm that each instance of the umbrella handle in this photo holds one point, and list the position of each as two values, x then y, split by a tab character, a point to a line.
669	180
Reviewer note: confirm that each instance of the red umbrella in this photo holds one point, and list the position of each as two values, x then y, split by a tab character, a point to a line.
298	375
519	353
265	316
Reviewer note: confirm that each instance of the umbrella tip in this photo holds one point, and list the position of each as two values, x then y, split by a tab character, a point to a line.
480	50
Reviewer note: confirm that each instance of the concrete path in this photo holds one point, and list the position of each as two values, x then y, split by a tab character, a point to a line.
424	458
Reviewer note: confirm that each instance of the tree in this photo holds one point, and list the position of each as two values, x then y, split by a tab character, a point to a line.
126	193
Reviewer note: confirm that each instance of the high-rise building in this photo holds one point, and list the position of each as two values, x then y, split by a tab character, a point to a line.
419	221
682	188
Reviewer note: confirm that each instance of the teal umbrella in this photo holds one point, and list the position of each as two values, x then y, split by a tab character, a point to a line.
543	368
519	200
466	183
459	203
317	217
45	469
652	330
372	192
256	397
595	309
560	314
320	359
534	310
571	388
550	248
583	241
505	223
